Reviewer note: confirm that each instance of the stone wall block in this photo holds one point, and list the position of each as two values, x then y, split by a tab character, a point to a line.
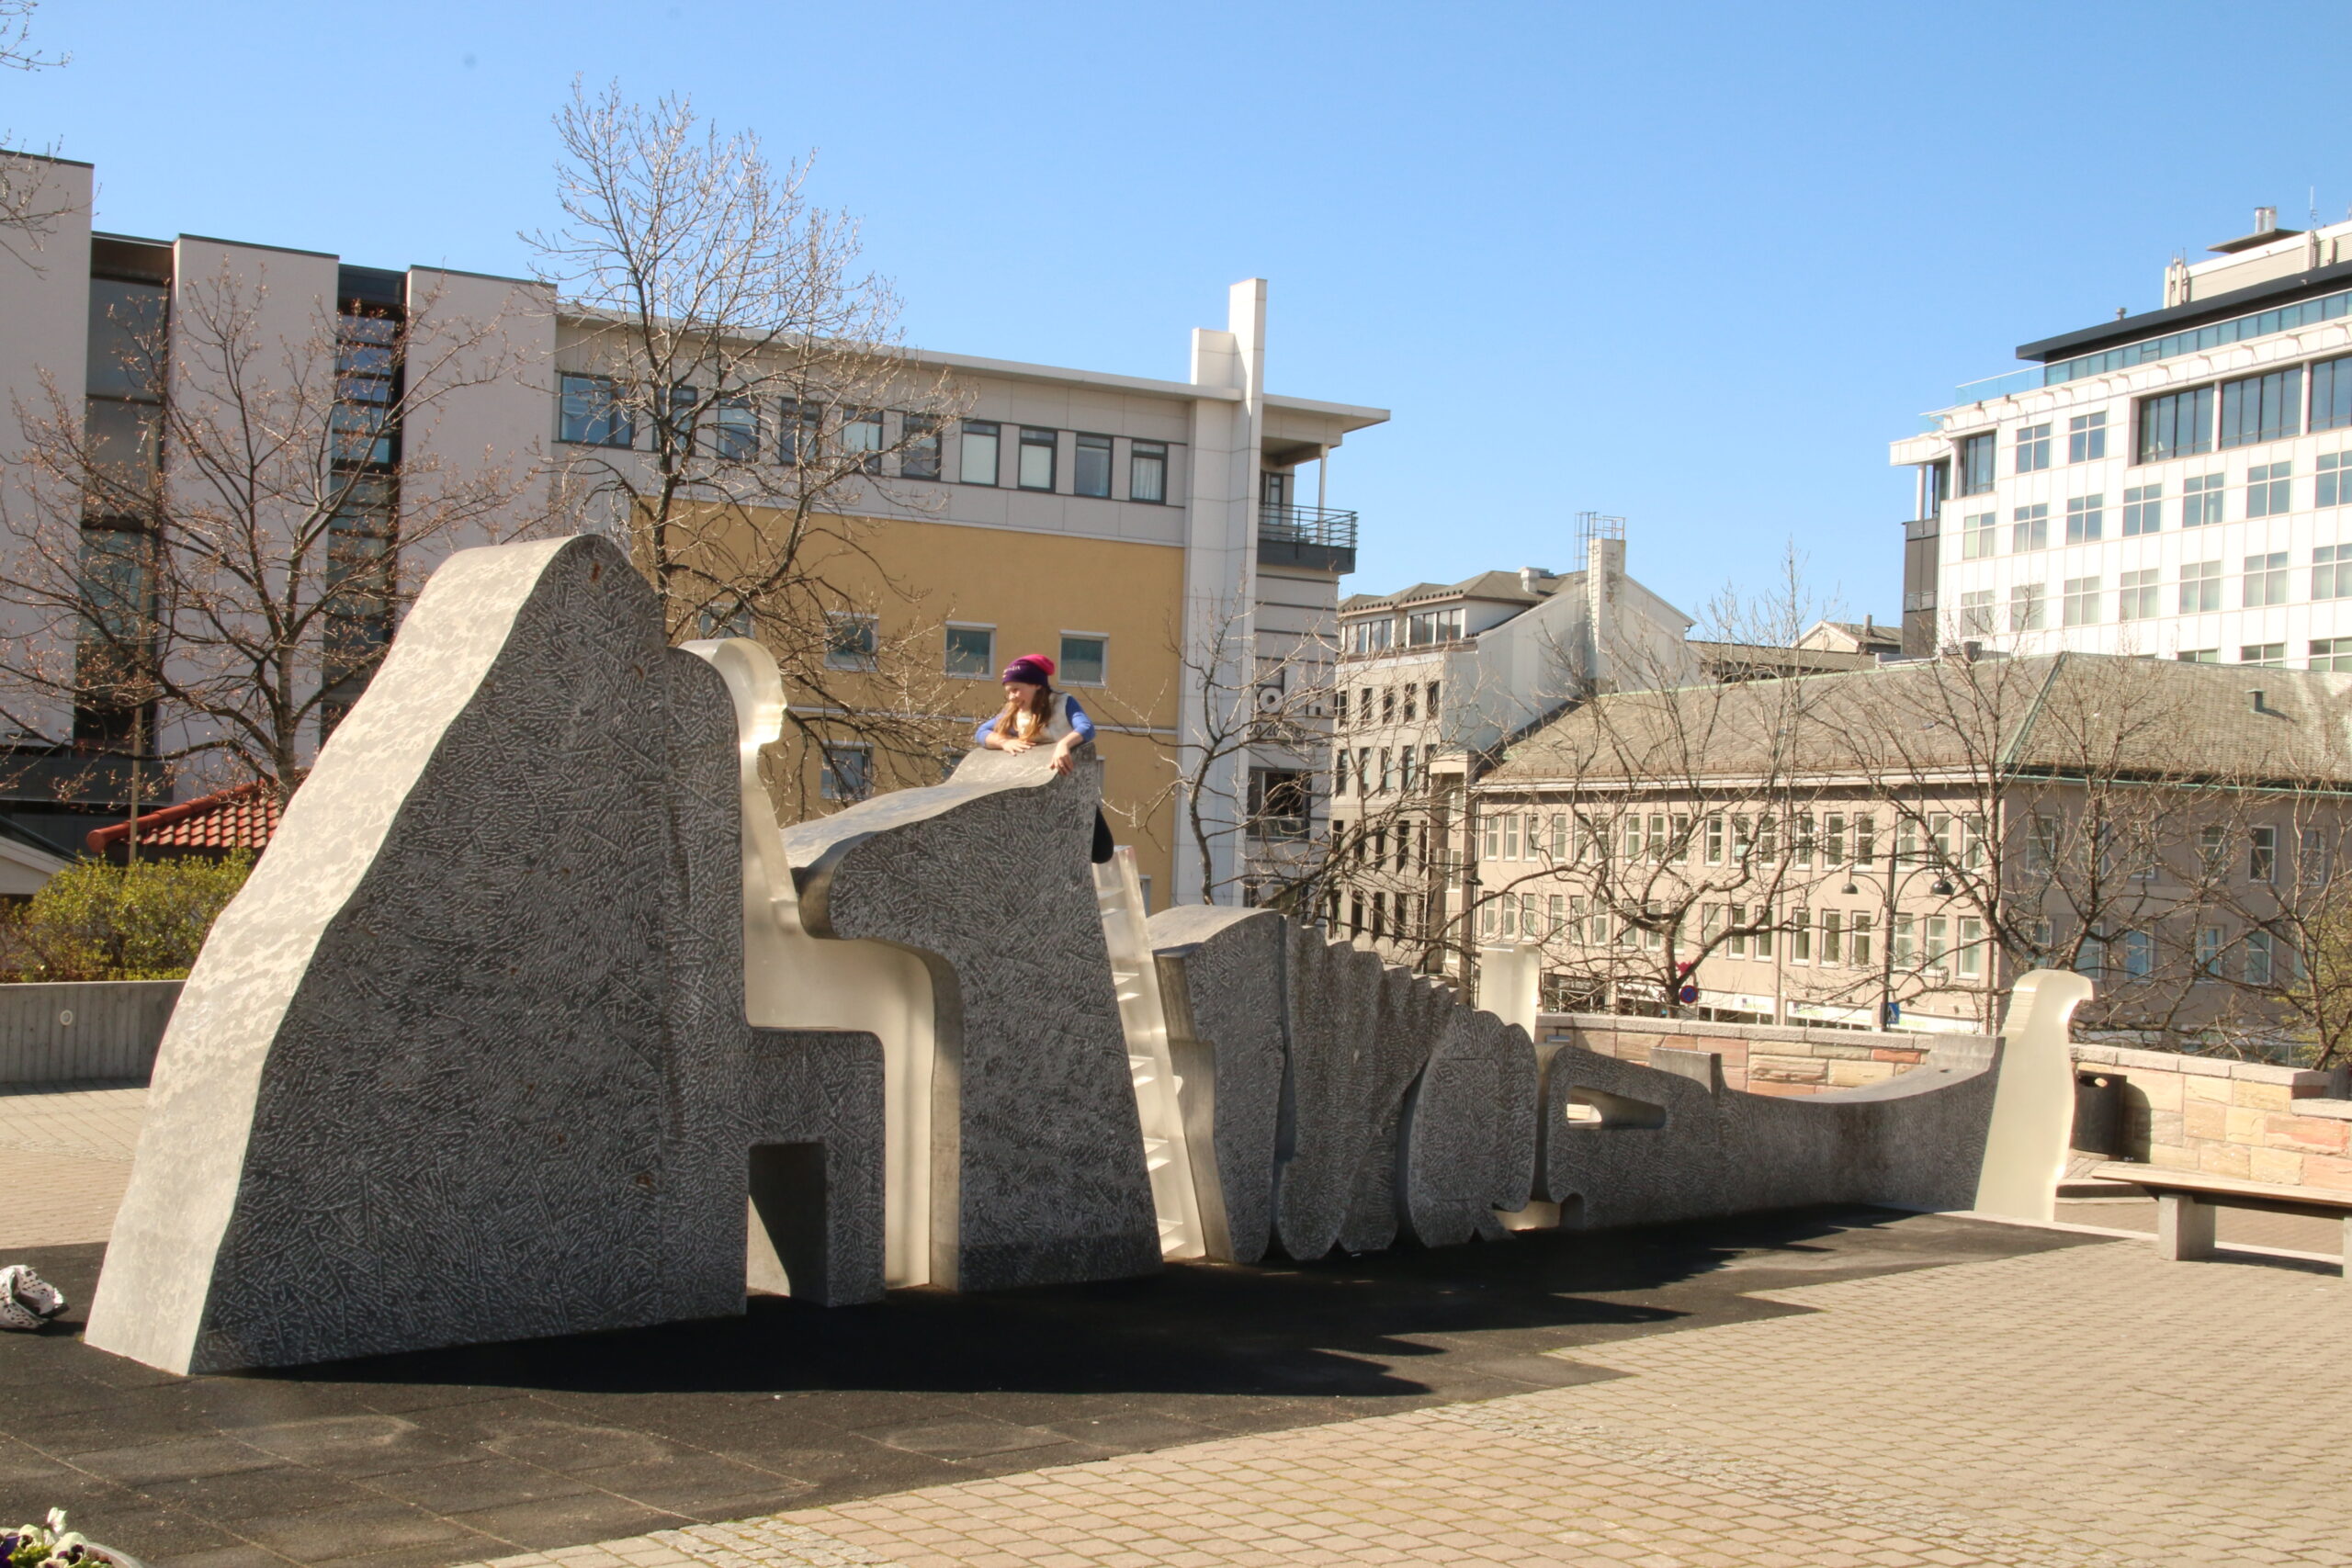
1469	1130
1334	1006
1221	975
1038	1148
2281	1165
1412	1013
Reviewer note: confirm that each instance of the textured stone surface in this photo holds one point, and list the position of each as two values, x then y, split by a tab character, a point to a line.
1037	1156
813	1122
462	1061
1668	1142
1469	1144
1333	993
1221	976
1412	1011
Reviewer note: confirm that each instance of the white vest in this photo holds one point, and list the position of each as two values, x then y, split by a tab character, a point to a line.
1056	721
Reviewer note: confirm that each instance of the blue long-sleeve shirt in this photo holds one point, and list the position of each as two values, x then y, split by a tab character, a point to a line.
1079	724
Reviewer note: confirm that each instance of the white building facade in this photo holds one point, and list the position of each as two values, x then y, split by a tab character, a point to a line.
2174	483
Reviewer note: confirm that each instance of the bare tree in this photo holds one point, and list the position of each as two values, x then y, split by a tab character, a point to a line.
201	576
27	204
739	400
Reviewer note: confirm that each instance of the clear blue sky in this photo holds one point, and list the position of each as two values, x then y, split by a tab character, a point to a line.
1695	264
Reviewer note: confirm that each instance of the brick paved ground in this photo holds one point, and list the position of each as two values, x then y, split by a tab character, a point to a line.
2086	1407
64	1158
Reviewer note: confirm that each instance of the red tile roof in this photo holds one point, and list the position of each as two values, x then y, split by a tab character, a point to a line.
243	817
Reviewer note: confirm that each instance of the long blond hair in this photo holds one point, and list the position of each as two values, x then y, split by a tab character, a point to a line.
1038	711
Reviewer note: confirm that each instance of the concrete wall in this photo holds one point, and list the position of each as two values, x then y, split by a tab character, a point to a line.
84	1029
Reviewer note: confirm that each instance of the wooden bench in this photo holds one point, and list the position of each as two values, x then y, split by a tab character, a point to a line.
2186	1200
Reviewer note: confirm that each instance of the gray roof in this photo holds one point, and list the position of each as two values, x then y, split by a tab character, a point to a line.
2067	713
1502	587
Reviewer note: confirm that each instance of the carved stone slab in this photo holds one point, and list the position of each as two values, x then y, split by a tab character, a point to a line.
1468	1142
462	1061
1221	976
1037	1169
1629	1145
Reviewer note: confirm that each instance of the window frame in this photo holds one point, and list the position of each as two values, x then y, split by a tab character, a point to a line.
853	661
987	670
1037	438
1082	443
618	415
1064	675
971	431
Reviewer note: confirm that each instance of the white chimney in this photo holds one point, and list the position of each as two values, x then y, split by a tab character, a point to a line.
1529	576
1604	568
2265	219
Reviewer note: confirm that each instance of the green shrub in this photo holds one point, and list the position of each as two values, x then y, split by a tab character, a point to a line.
95	921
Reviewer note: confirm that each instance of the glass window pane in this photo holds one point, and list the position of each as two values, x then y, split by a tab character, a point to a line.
1148	471
919	448
1083	660
971	650
978	466
1036	460
1092	474
126	339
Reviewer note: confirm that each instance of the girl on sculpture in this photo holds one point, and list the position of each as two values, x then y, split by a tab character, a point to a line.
1036	715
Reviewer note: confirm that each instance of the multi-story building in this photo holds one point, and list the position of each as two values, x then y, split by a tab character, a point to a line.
1897	845
1431	680
1147	533
2169	483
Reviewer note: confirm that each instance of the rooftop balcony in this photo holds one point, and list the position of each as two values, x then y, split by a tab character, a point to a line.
1320	538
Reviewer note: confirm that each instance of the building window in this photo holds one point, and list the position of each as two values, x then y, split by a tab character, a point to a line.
2200	587
2333	471
2201	501
2029	528
1388	704
2086	437
1970	955
1084	659
2262	408
2199	656
1038	457
1370	636
848	770
2257	958
735	429
977	463
1091	473
2032	448
2332	571
1857	941
1426	628
2310	857
2139	955
971	652
1833	938
2331	394
1279	800
2266	579
1978	535
2208	950
2332	653
1977	613
594	414
2262	854
2025	607
2175	424
918	446
2268	489
2143	510
1147	470
1976	464
797	431
2138	601
2086	516
849	642
2271	655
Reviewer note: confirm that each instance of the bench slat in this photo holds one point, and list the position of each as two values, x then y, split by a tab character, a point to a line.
2156	1179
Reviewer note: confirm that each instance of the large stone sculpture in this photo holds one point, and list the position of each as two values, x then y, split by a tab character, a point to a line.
463	1060
533	1020
1037	1171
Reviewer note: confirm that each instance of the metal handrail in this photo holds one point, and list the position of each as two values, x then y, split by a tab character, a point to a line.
1309	526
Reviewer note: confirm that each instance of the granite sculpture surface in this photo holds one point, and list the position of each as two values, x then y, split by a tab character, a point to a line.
1037	1169
533	998
467	1059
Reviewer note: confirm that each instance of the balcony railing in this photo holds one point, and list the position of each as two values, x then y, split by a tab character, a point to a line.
1320	536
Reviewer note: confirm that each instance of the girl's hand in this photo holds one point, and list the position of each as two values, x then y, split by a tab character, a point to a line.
1019	744
1062	763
